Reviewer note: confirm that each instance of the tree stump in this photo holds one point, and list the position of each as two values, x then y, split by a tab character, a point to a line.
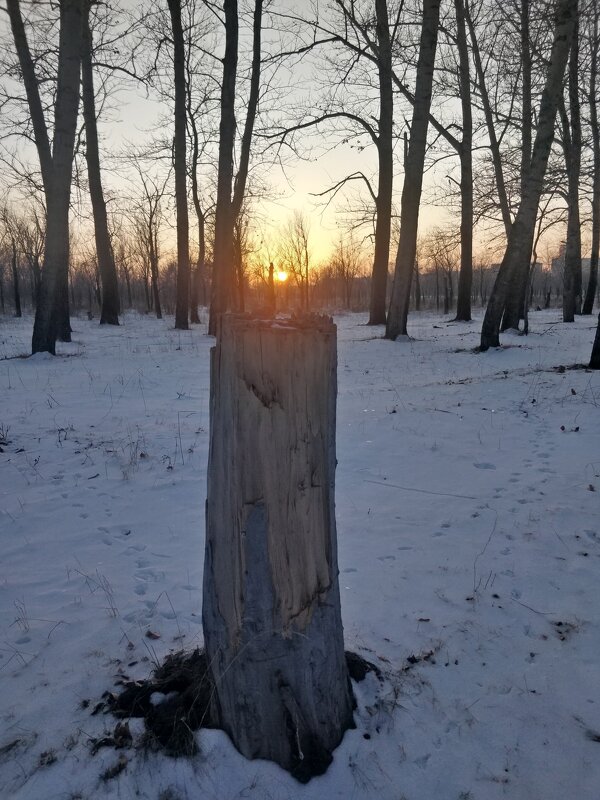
271	605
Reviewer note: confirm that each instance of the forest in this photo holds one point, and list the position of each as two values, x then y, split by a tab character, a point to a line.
299	387
451	107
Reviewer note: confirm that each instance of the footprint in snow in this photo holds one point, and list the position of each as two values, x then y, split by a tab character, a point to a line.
386	558
135	548
484	465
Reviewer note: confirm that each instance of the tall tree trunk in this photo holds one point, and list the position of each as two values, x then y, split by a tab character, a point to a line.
271	606
198	288
155	290
383	220
183	244
417	286
465	278
37	278
198	279
52	313
520	240
128	285
109	307
572	150
595	357
595	133
515	302
15	277
526	109
413	178
223	275
489	121
147	294
241	178
34	102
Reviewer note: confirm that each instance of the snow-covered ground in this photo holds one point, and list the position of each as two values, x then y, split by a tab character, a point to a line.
468	515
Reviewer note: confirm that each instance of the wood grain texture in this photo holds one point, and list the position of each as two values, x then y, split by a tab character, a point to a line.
271	611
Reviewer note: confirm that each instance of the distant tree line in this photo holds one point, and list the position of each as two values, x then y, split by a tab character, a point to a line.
486	109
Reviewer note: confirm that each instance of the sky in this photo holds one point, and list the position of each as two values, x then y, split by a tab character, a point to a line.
294	189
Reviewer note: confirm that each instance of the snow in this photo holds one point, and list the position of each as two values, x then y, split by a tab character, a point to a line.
468	525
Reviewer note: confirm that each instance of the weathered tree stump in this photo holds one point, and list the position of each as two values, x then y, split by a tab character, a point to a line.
271	606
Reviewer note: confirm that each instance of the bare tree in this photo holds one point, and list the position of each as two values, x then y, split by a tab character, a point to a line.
10	225
594	42
56	163
294	254
465	282
180	168
520	240
572	144
346	265
109	313
595	357
413	178
147	215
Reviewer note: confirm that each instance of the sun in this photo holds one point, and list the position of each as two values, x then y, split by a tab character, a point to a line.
281	276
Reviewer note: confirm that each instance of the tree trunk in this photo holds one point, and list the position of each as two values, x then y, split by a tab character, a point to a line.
383	220
514	310
128	286
155	291
590	294
241	179
52	312
489	121
413	178
198	283
15	277
520	240
223	275
595	359
417	287
183	244
34	102
465	278
526	110
198	290
572	150
37	278
109	309
271	606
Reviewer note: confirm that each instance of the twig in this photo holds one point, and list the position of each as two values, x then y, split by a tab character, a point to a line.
421	491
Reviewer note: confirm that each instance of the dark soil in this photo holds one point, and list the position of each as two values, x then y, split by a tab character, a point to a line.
185	681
